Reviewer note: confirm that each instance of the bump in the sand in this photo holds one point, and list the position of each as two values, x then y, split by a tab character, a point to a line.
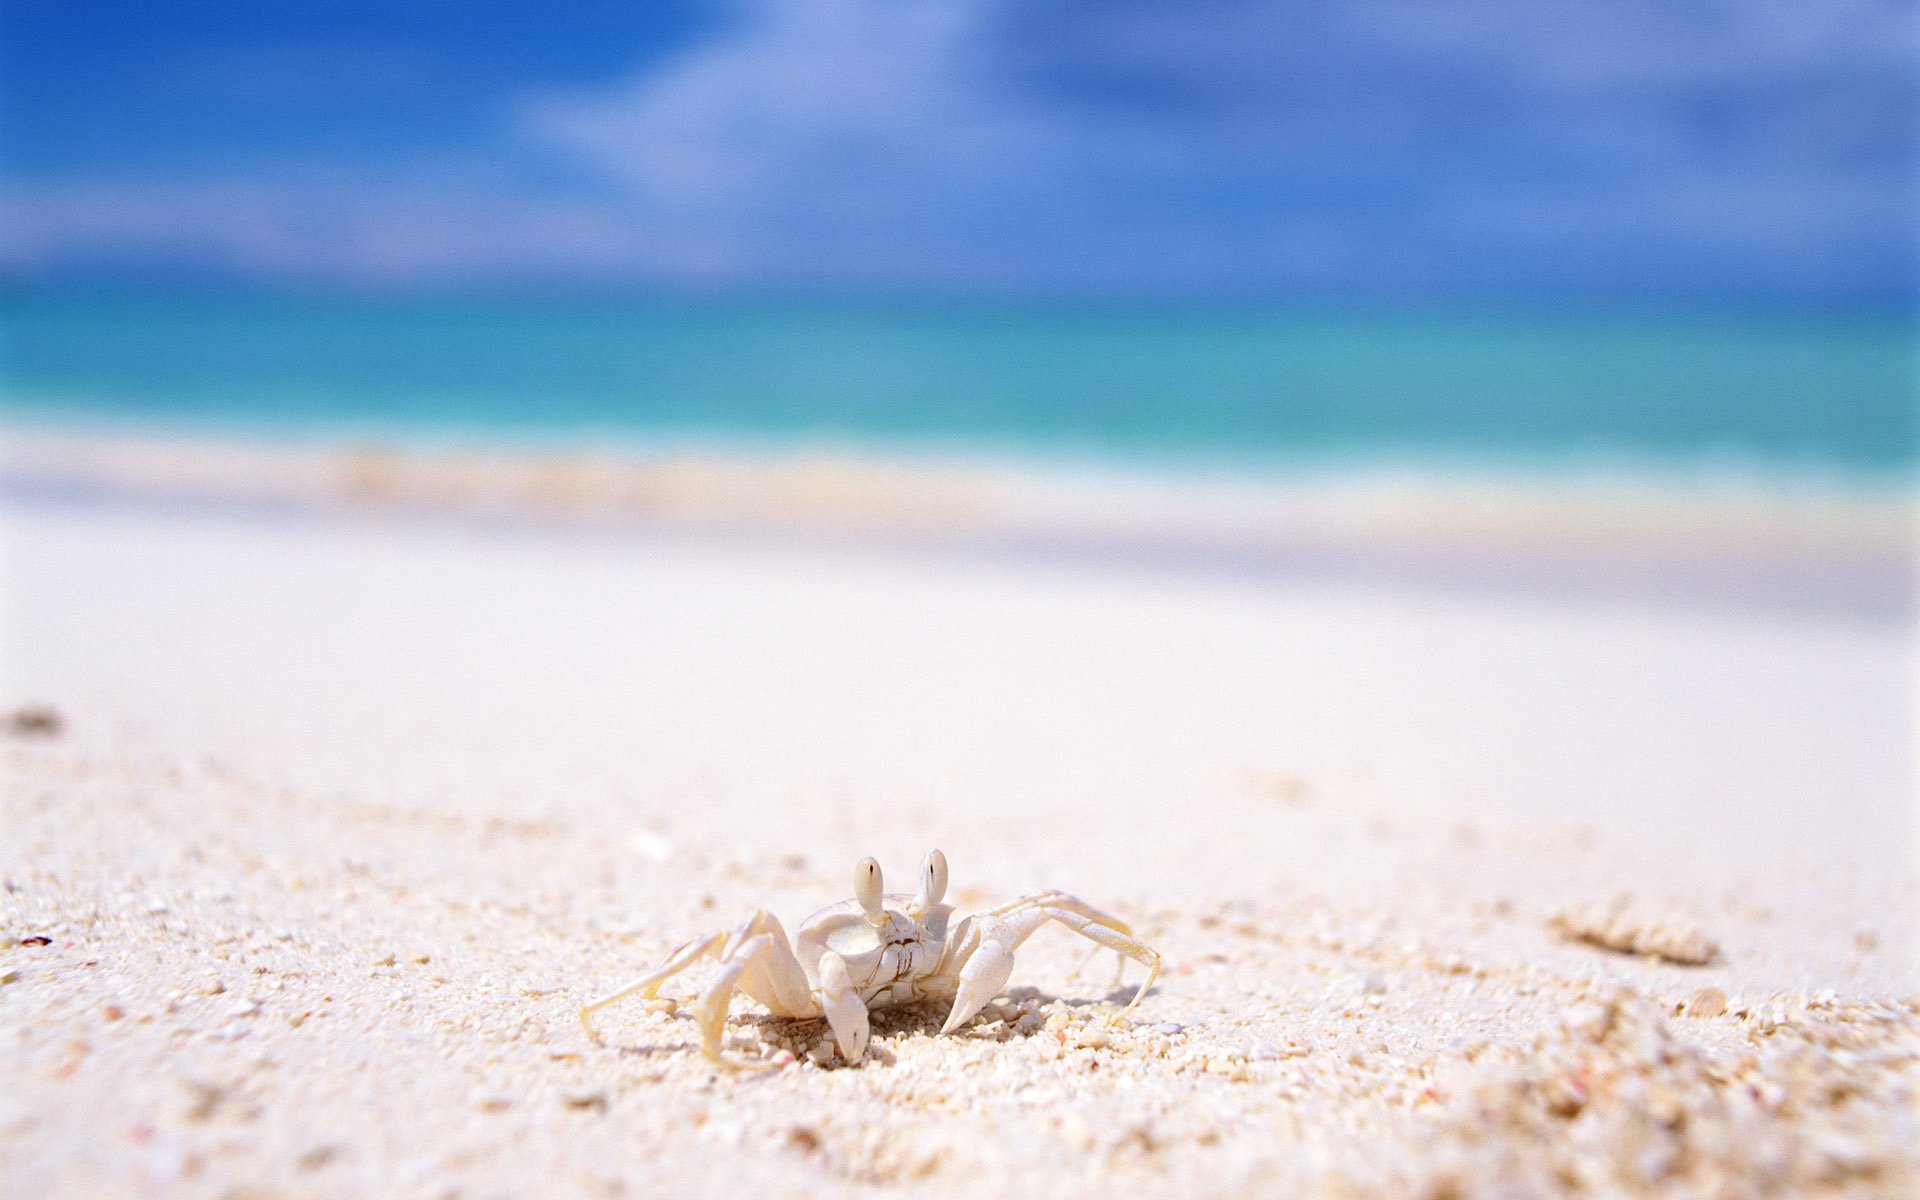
878	950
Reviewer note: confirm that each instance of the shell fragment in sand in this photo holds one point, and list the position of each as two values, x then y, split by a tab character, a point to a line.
1627	928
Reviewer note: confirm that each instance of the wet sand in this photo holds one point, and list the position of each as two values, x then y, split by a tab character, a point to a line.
349	809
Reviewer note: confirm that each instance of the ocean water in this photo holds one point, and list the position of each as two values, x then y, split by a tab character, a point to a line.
1244	384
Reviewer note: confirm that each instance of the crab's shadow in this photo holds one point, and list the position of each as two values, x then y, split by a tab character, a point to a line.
797	1035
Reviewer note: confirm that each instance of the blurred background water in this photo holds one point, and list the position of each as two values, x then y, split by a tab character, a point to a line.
1254	386
1676	235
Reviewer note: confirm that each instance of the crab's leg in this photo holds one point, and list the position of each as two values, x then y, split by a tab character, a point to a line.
710	1010
649	985
775	977
1059	899
1114	937
987	964
762	964
772	976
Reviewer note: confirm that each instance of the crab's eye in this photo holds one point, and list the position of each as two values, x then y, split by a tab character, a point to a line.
933	879
866	888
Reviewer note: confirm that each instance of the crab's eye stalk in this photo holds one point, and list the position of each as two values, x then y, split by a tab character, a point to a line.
933	881
866	888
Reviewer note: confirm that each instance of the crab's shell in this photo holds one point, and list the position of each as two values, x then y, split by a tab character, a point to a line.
877	959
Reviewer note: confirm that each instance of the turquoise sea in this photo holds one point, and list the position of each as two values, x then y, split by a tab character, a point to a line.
1247	383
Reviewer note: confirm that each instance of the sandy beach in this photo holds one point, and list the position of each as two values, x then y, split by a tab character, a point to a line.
1595	875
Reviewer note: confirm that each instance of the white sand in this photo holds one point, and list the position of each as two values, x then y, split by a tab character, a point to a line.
349	814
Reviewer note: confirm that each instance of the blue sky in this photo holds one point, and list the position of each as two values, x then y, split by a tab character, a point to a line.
1640	149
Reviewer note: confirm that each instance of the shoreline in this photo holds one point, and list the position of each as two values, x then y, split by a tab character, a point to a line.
1797	541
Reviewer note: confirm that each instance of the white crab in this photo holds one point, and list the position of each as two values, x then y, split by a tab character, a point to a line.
876	951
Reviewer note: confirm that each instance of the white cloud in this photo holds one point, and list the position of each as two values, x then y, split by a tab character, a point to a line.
293	225
822	104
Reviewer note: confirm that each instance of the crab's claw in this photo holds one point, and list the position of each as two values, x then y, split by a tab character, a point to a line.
985	972
846	1012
